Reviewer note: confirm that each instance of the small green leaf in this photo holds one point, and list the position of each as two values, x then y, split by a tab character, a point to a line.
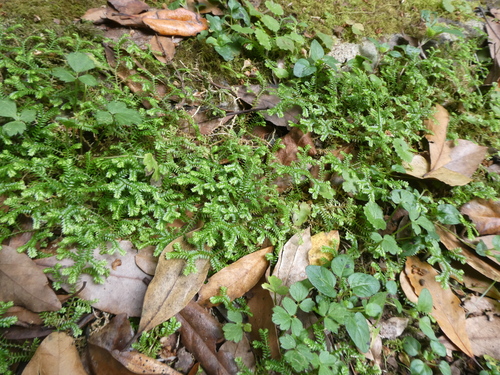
104	117
296	326
298	291
481	248
445	368
358	28
281	317
287	342
289	305
326	39
417	367
88	80
275	286
63	74
243	30
402	149
299	358
80	62
392	287
233	332
228	51
297	38
263	39
303	68
270	22
363	285
316	52
331	325
496	242
331	61
375	215
373	310
301	214
234	316
438	348
14	127
215	22
424	304
342	265
322	279
28	115
358	331
274	8
285	43
8	108
448	6
448	214
425	325
411	346
390	245
307	305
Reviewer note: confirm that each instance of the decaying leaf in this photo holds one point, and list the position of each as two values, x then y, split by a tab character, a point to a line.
265	99
293	260
25	317
451	163
474	260
241	350
146	261
124	289
129	6
170	290
247	270
316	256
483	332
261	305
446	307
204	6
493	30
200	334
292	141
163	48
56	355
485	214
24	283
393	327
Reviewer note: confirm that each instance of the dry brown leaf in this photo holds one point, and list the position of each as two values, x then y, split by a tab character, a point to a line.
316	256
493	30
200	334
56	355
261	305
163	48
292	260
483	333
247	270
123	290
393	327
438	125
480	264
95	15
129	6
146	261
138	363
25	317
485	214
170	290
480	305
175	27
446	307
204	6
265	99
26	232
241	350
24	283
292	141
407	288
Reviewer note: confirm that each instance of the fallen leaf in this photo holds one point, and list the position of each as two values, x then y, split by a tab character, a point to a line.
265	99
204	6
480	305
25	233
393	327
241	350
247	270
95	15
483	333
24	283
446	307
438	125
170	290
292	260
480	264
206	122
407	288
56	354
292	141
200	334
316	256
129	6
123	290
493	30
25	317
163	48
485	214
146	261
261	305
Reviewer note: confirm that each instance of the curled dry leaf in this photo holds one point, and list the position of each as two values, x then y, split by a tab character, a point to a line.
56	355
170	290
123	290
247	270
446	307
200	334
24	283
316	256
485	214
292	260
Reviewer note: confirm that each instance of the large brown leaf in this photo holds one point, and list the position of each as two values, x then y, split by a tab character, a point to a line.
446	307
200	334
292	141
485	214
438	125
493	30
24	283
293	260
247	270
170	290
484	332
124	289
56	355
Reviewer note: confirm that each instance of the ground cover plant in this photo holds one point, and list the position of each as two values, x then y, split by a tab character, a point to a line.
144	190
